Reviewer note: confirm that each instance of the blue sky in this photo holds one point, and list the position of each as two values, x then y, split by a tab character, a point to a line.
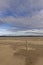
21	17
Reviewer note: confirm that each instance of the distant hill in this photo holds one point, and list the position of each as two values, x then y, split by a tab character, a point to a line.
25	36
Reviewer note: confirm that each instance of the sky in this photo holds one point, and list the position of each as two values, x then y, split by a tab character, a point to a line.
21	17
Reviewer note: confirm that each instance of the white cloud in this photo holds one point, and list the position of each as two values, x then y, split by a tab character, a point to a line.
17	7
30	32
26	32
35	21
4	32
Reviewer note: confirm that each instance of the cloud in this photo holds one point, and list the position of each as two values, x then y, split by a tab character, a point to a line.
30	32
21	15
25	32
21	7
36	21
3	5
5	32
